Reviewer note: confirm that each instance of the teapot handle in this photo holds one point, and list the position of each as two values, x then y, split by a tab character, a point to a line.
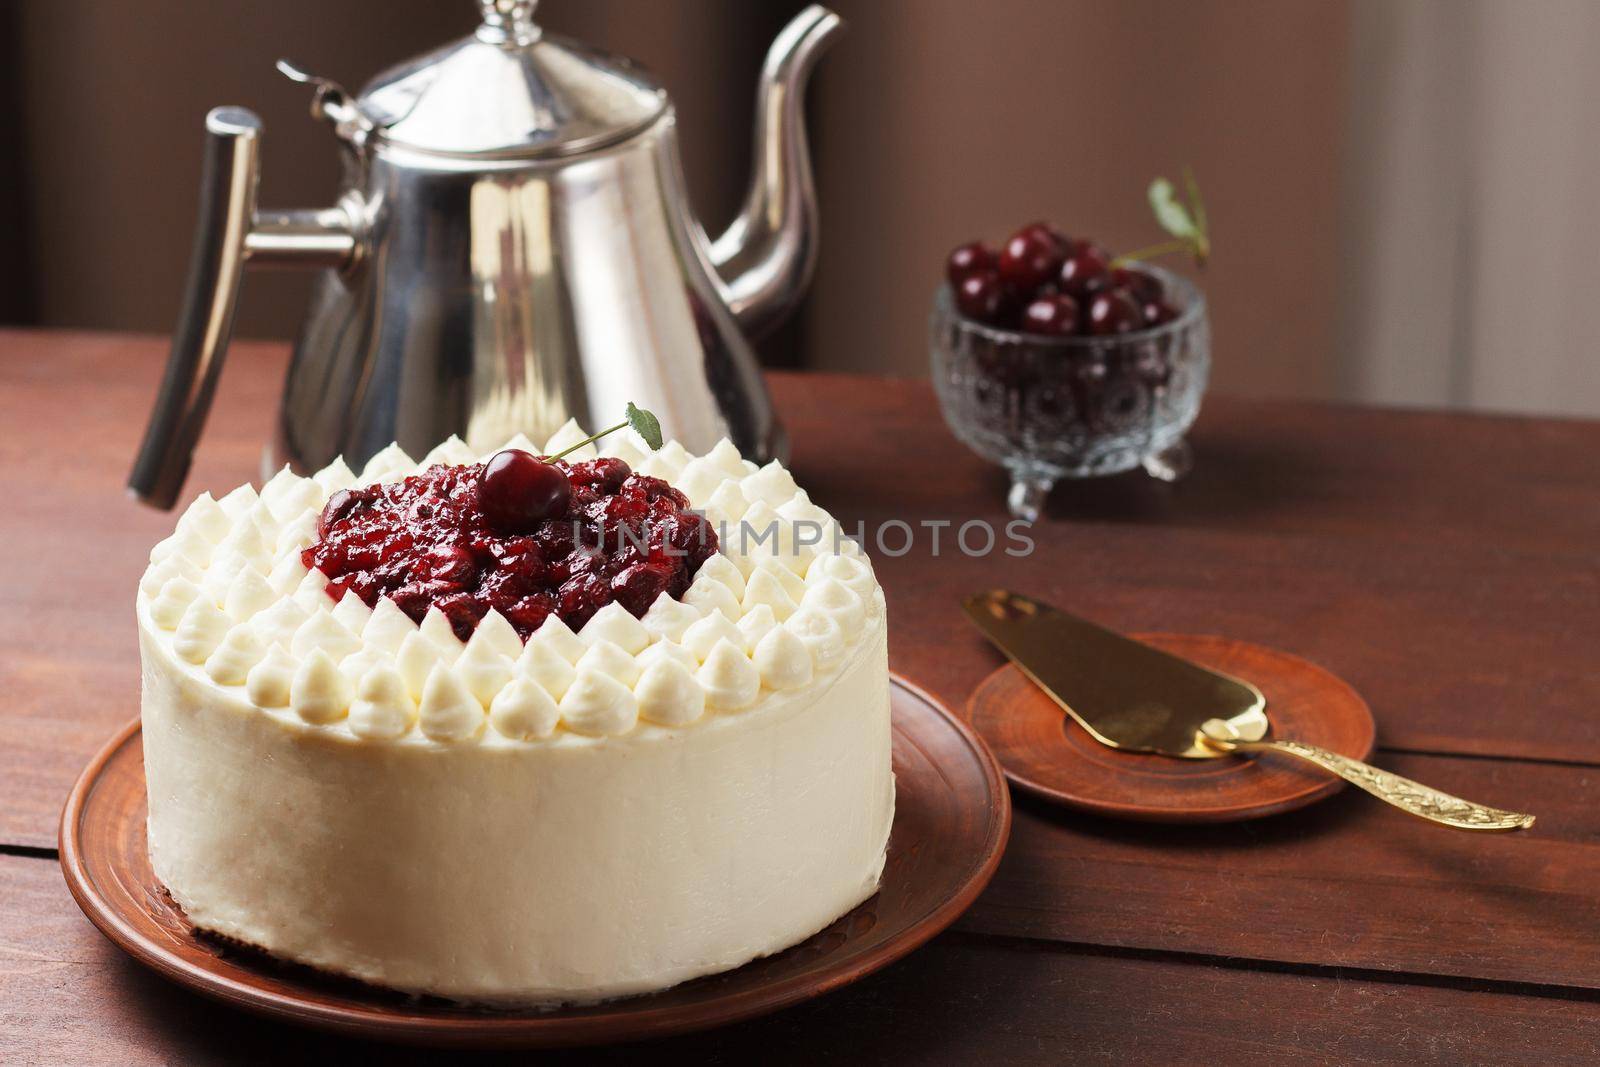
229	233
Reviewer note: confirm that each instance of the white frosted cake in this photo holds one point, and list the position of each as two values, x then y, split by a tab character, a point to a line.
541	812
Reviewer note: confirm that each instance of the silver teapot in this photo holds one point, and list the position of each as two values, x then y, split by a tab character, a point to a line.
512	247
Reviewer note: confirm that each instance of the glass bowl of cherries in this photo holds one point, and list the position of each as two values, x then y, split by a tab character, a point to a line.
1057	360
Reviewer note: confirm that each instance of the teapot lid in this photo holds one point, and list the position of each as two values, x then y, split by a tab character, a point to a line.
510	91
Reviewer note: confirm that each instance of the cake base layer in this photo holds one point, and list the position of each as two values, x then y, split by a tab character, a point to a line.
574	870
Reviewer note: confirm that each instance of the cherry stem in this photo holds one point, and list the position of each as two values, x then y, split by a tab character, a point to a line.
1166	248
591	439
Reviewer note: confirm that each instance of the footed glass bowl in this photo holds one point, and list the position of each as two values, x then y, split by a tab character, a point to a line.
1048	408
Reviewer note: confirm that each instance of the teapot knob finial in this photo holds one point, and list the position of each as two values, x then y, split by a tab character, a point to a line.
508	21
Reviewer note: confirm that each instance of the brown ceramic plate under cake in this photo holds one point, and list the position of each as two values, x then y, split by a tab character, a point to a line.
952	818
1045	753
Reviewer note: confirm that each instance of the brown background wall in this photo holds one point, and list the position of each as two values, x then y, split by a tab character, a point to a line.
935	121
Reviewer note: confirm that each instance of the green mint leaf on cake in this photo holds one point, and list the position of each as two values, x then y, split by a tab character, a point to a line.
645	425
643	422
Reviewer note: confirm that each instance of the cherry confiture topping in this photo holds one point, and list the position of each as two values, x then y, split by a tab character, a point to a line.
526	536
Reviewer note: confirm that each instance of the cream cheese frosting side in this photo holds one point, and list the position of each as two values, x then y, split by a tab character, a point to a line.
589	815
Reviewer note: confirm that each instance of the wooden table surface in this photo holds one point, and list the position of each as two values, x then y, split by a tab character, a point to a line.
1447	566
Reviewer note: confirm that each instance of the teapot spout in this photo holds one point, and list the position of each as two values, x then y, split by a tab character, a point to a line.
766	256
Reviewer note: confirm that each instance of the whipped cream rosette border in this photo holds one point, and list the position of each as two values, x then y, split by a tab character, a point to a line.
780	610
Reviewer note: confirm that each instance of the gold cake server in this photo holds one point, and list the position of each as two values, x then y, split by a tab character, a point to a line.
1131	696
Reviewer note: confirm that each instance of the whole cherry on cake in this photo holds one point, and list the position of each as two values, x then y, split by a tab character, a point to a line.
518	490
1042	282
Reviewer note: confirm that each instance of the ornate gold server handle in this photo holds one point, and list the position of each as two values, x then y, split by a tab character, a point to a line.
1411	797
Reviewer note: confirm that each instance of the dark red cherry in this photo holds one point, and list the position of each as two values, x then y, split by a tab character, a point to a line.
1048	231
1085	272
529	613
1158	312
1031	257
1051	316
1113	312
450	563
463	610
1146	288
637	586
968	259
604	474
338	506
1150	363
980	296
518	490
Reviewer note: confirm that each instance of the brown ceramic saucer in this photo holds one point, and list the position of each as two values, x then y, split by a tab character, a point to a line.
1047	754
952	818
